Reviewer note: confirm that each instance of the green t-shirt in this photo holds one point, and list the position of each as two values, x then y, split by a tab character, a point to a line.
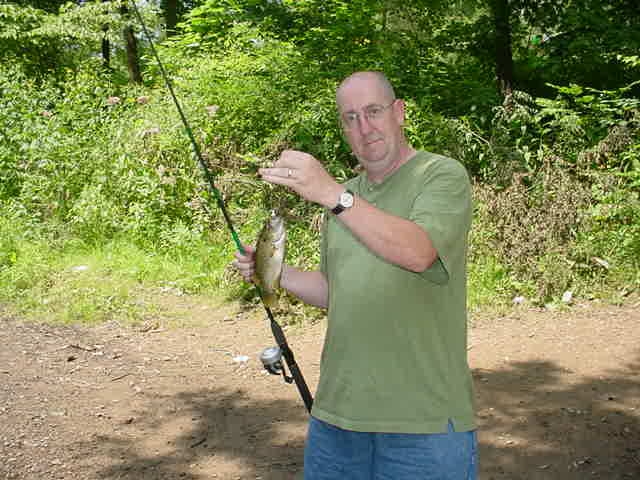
395	352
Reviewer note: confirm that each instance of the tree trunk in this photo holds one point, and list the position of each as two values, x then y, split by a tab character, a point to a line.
504	60
106	47
133	62
170	16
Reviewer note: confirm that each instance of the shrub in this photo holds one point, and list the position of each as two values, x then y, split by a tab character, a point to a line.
533	220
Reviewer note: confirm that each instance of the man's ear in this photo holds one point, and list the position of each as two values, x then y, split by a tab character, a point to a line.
399	111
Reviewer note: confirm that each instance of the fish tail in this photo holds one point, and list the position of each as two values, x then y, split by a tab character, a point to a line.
270	299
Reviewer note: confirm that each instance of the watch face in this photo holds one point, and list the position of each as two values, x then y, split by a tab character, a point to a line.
346	199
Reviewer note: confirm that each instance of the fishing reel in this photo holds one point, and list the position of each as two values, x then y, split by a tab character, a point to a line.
271	358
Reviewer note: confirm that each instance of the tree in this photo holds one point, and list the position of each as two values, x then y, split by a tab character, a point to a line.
131	48
174	12
170	8
501	12
579	42
106	46
50	6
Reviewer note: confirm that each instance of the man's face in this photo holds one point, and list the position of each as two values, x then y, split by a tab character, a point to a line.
372	123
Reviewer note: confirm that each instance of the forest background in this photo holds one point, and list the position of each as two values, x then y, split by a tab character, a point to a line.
103	206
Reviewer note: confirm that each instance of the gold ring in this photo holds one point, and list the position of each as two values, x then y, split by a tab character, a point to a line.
289	173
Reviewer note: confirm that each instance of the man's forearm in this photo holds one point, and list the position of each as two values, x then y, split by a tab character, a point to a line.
310	287
396	239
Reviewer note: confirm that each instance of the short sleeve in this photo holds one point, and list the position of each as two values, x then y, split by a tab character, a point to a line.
443	210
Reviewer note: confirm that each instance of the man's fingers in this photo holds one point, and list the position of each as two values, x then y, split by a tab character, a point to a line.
249	248
278	180
247	256
246	270
247	275
275	173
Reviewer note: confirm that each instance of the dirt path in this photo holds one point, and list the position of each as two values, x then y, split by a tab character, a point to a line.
558	397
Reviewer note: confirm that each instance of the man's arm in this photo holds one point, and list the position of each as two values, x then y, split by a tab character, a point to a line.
309	286
395	239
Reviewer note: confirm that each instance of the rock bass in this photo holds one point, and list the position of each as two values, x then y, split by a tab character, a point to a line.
270	250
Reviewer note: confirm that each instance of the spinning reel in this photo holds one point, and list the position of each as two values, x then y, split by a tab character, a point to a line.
271	358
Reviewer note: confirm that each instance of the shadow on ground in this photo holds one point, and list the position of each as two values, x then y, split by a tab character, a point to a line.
535	423
210	433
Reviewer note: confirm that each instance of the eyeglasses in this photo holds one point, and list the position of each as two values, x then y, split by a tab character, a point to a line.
371	112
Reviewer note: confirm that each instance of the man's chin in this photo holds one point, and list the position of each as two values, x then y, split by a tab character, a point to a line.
372	164
373	153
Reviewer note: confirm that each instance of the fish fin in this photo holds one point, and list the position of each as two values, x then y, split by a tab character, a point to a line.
270	299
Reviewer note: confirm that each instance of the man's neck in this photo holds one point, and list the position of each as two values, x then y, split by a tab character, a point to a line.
404	155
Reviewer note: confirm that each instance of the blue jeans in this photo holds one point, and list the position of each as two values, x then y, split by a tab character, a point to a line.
332	453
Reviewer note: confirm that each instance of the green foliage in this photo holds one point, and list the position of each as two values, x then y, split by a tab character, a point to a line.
24	258
489	282
20	44
552	162
612	231
47	45
533	224
51	6
46	277
100	173
335	38
42	157
44	44
585	39
580	117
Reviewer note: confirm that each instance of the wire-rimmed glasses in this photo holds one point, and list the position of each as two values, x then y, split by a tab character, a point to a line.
372	113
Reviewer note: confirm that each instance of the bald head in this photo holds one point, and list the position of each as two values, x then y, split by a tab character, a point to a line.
372	120
376	80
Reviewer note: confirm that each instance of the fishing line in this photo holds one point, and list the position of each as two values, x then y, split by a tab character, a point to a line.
271	357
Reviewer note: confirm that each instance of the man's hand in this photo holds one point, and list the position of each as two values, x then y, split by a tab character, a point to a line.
306	176
246	264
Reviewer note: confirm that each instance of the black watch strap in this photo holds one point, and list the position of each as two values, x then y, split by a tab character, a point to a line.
338	209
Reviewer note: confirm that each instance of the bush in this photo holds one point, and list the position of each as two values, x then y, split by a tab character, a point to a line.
532	221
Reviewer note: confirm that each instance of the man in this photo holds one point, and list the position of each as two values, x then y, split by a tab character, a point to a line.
394	400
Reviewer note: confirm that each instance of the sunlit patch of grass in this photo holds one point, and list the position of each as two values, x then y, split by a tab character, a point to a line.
487	282
48	284
118	281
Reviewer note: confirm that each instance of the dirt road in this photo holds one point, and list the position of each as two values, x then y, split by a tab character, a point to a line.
558	397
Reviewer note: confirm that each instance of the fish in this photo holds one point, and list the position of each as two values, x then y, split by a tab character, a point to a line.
269	257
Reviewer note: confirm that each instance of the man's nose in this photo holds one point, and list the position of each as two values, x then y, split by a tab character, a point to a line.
364	125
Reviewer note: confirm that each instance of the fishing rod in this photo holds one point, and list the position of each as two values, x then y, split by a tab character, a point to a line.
271	357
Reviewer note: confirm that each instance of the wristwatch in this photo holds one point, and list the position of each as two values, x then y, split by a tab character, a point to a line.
344	201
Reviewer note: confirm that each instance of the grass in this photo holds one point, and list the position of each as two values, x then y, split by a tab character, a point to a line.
123	281
51	278
89	285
